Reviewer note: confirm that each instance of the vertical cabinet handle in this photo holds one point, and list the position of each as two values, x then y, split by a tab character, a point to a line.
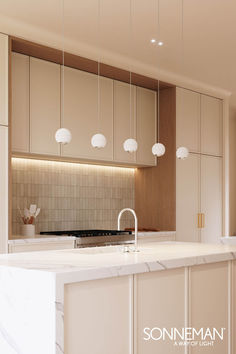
199	220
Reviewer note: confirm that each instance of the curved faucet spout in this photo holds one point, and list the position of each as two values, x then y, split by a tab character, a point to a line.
135	225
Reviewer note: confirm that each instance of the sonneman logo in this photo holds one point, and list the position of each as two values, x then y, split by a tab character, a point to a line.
183	334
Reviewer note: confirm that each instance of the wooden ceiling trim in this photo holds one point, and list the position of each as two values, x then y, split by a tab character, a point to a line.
77	62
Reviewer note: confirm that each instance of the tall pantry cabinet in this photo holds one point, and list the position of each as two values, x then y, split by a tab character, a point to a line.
199	124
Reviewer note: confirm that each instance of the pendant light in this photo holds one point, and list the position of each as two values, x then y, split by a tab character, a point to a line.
63	136
130	145
182	152
158	149
98	140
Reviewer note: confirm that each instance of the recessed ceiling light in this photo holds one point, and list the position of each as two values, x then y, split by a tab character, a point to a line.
153	40
160	43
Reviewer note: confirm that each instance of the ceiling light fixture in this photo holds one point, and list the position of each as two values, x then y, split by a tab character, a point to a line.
159	42
130	145
63	136
154	40
98	140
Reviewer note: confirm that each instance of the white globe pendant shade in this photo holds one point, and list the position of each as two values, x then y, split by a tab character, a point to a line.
63	136
158	149
130	145
98	141
182	153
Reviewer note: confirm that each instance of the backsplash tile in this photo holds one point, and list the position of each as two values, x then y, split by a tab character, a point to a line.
71	196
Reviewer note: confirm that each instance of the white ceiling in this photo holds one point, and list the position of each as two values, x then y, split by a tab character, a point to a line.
208	54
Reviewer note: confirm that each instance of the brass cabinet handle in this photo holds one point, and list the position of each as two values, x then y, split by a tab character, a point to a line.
199	220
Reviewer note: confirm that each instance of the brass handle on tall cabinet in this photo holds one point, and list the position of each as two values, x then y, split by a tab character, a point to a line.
199	220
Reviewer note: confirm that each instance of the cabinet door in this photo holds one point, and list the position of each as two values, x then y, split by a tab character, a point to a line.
20	102
146	126
188	198
188	119
160	304
209	304
81	114
97	316
124	127
44	106
4	79
211	198
3	188
211	125
233	333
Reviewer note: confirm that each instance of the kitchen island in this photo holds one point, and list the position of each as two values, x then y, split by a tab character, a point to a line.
101	300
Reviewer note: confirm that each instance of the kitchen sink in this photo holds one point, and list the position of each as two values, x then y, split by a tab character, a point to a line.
126	249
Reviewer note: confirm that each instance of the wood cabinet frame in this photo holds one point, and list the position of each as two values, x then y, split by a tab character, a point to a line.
39	51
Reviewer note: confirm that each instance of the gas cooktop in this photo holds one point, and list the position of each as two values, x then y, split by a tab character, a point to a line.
87	233
94	238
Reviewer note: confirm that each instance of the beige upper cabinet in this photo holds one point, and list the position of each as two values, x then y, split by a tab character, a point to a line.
124	120
81	114
44	106
188	119
211	125
146	125
199	122
37	113
20	103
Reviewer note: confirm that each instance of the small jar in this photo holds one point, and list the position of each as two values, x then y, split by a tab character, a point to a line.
28	230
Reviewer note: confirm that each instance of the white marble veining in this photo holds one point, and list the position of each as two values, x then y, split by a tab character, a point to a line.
109	259
32	285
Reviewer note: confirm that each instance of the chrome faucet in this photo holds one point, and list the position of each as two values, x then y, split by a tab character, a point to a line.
135	226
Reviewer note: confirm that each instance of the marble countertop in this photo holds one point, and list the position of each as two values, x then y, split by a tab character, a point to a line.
228	240
73	265
32	284
18	239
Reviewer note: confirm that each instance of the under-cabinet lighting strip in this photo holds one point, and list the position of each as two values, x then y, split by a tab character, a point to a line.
67	164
